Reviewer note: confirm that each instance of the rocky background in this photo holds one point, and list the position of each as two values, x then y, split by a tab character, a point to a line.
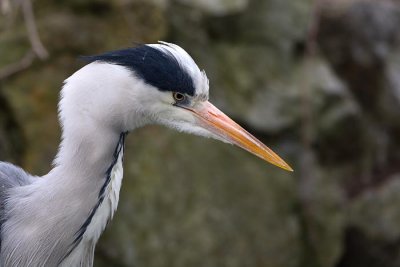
318	81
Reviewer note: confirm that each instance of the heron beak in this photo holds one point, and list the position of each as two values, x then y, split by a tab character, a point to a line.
220	124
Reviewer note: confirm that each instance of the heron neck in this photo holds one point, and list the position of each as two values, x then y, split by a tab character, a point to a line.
88	174
85	155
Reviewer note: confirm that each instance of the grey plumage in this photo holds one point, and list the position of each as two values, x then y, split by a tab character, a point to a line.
10	176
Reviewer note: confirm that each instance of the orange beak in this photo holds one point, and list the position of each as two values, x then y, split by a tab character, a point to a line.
225	128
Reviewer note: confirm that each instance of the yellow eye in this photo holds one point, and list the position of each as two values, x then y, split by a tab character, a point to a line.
178	96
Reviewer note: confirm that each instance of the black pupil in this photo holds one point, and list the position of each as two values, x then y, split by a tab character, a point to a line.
179	96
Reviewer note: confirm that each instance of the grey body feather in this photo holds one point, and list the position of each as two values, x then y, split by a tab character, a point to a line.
10	176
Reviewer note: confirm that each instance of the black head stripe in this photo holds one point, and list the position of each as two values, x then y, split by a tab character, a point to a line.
158	68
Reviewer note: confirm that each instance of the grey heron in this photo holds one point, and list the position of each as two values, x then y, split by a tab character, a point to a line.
56	219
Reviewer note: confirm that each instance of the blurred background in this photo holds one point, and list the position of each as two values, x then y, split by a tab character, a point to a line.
318	81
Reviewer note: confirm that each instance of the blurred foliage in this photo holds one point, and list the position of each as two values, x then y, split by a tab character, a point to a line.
332	112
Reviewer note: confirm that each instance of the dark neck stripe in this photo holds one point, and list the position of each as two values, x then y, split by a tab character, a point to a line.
160	69
79	234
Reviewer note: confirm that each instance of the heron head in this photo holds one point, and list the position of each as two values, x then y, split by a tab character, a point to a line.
171	90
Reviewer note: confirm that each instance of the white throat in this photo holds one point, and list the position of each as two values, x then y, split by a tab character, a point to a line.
102	211
96	107
93	114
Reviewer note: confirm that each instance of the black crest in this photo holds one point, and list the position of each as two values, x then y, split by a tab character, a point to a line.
158	68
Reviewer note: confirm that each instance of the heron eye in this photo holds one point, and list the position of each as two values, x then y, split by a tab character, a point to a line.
178	96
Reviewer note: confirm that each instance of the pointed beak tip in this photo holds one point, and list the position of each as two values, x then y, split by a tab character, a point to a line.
288	168
283	165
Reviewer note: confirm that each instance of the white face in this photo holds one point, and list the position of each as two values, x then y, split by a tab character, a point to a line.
172	109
